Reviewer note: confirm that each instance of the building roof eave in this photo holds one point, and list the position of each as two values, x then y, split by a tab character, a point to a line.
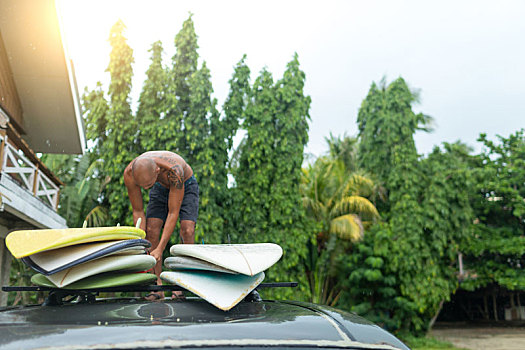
43	75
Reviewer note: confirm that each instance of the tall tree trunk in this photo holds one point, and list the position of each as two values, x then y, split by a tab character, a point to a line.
485	307
495	307
433	320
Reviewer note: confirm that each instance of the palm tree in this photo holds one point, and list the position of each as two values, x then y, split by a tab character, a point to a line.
343	148
337	199
83	186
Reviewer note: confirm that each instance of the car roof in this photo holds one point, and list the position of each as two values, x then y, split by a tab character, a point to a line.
132	323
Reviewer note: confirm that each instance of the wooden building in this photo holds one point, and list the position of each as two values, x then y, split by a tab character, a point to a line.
39	113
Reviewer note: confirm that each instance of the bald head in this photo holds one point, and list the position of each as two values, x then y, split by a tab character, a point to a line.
145	171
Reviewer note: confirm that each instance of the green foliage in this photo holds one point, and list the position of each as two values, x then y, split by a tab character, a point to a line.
236	101
95	110
344	149
219	214
404	268
20	275
386	125
153	128
153	133
496	254
120	146
255	175
82	188
269	170
336	197
184	65
426	343
320	267
196	119
370	289
200	153
189	117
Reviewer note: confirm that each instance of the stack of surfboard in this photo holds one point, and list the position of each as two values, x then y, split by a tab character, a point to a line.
82	258
222	274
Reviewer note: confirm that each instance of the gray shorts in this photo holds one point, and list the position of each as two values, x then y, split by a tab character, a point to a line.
158	201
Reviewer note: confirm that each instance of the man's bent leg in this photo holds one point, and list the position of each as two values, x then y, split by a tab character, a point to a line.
153	227
189	211
187	234
187	231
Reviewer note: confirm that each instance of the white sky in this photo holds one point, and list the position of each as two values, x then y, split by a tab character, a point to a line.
466	57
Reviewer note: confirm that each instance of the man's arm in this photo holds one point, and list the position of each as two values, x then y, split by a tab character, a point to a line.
176	179
135	197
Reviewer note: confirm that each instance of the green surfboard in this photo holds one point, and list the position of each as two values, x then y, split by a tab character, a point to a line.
104	280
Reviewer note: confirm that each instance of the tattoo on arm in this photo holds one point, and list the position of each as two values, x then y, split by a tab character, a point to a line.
176	176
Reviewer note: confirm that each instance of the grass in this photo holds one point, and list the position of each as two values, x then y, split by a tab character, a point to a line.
428	343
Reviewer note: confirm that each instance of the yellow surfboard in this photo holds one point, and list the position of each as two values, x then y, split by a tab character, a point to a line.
26	242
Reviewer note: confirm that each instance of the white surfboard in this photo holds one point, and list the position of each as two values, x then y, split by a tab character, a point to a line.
219	289
129	263
51	261
247	259
182	262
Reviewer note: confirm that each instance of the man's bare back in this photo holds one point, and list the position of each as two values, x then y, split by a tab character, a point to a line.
173	168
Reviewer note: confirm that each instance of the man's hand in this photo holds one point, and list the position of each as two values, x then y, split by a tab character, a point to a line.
157	254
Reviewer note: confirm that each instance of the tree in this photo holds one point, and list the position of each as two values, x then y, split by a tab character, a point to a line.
95	113
255	172
496	254
344	149
184	64
387	149
152	104
119	147
196	120
222	213
336	198
386	125
268	175
409	257
82	188
198	134
199	153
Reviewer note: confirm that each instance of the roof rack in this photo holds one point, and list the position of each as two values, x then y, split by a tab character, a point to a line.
129	288
56	295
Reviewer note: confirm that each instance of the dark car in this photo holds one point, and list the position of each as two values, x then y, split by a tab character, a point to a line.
132	323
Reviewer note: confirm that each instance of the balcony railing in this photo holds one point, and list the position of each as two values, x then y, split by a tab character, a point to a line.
24	167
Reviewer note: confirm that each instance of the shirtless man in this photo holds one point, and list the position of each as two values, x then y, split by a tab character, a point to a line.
174	192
